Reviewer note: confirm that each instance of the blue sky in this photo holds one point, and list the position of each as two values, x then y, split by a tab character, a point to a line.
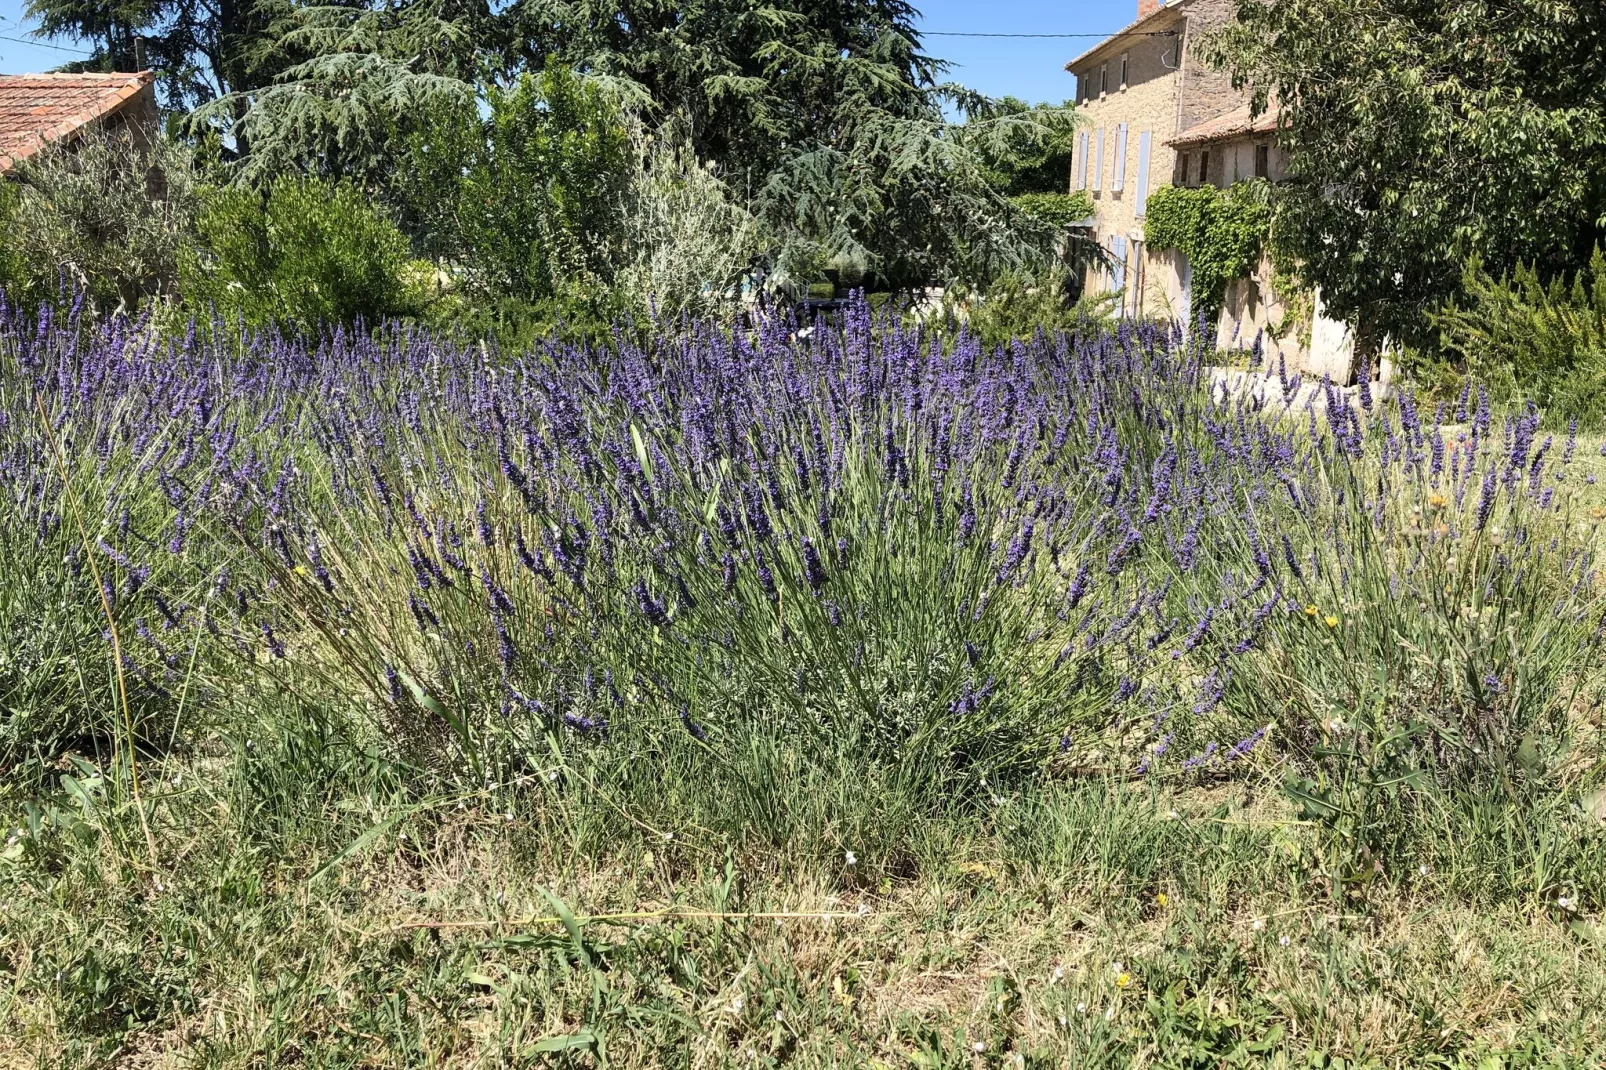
1031	69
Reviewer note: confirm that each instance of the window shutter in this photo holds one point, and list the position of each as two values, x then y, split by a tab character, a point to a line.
1081	160
1118	282
1119	181
1141	202
1098	159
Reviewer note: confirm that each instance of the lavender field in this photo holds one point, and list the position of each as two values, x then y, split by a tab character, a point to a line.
742	697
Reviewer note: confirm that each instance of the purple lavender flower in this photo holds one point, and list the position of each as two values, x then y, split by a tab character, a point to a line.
1198	634
1019	546
650	607
1245	745
813	568
1486	499
698	732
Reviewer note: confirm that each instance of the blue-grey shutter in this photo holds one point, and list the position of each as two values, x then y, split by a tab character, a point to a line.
1119	181
1142	200
1081	160
1098	159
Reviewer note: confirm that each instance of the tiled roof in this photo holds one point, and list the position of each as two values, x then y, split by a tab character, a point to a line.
1235	123
38	108
1129	28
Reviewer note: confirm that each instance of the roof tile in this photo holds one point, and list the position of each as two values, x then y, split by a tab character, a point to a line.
38	108
1235	123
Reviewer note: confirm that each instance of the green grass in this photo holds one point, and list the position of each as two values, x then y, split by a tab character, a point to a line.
301	910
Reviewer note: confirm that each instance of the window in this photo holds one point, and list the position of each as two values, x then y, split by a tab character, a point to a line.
1184	161
1123	70
1262	161
1204	167
1104	79
1141	201
1118	180
1097	179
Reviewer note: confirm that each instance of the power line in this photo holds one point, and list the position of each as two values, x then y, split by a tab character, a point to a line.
41	44
1101	36
924	33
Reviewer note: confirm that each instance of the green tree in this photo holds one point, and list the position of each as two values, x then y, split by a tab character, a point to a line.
828	120
1422	132
542	202
349	85
198	51
101	215
303	253
1026	148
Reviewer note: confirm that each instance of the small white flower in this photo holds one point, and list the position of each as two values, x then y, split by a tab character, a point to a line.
1172	815
1115	967
1258	924
1283	939
779	1017
852	858
1057	976
1423	869
553	776
738	1003
509	816
864	909
1109	1015
1564	902
980	1046
668	836
1081	1008
1063	1022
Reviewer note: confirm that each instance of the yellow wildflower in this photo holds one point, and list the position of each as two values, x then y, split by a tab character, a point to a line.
1332	621
1160	900
1123	979
1437	500
1311	611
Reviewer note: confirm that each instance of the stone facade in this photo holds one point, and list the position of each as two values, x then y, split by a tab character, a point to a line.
1156	116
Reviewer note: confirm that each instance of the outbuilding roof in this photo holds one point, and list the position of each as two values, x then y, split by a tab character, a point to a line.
36	109
1236	123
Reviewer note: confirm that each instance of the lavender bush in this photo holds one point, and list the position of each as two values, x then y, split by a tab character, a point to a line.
955	562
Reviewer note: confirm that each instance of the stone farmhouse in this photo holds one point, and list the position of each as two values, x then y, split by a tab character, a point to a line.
1155	115
36	109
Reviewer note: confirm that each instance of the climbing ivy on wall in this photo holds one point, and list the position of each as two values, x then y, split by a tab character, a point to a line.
1221	232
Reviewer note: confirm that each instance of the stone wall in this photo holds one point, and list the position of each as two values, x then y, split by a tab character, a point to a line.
1166	91
1205	93
1146	103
